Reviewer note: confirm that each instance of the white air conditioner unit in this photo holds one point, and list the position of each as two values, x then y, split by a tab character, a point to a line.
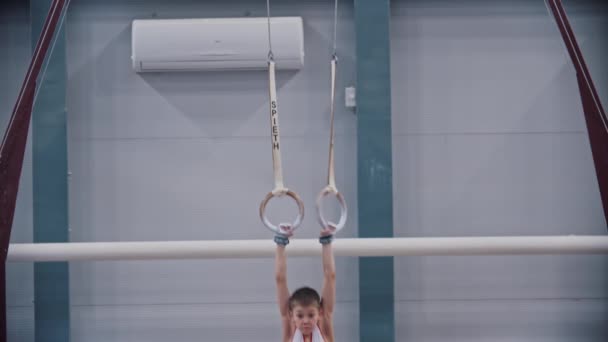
216	44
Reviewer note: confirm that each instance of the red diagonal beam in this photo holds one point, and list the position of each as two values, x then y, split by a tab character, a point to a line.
595	117
12	149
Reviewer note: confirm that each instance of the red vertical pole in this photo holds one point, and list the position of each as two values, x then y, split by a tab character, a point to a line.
12	149
595	117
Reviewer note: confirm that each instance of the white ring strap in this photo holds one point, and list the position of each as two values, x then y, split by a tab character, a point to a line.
279	189
331	189
274	130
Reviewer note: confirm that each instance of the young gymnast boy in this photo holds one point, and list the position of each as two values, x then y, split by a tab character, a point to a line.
306	316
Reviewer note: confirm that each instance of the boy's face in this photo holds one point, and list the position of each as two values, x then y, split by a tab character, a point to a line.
305	317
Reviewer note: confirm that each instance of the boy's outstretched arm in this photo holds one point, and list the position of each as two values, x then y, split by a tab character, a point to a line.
281	280
328	294
282	290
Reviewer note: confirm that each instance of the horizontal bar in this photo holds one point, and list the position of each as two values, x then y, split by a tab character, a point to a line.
364	247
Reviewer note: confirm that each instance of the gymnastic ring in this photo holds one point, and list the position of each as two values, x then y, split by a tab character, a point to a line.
267	199
329	190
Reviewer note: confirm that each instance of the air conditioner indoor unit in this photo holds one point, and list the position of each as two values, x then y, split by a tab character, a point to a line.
216	44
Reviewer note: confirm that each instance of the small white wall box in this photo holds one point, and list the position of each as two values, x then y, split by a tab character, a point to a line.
216	44
350	97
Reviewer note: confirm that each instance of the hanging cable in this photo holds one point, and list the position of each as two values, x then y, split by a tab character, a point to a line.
335	26
270	54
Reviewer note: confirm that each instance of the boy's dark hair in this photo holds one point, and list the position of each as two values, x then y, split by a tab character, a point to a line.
304	296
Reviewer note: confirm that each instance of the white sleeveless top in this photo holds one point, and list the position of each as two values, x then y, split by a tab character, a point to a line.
316	336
